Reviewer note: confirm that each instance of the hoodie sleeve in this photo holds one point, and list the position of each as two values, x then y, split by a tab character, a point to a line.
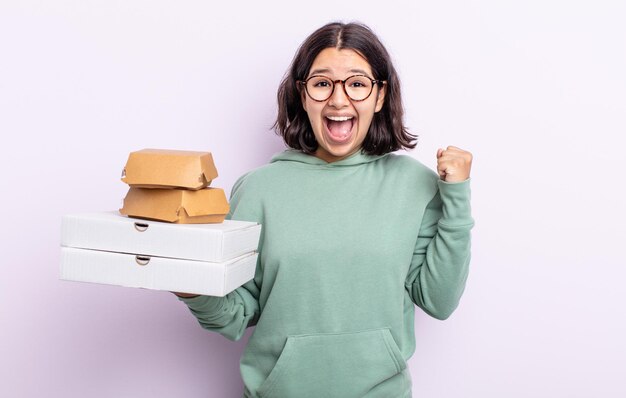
440	263
232	314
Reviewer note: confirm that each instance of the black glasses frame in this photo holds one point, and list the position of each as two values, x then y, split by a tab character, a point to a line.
343	84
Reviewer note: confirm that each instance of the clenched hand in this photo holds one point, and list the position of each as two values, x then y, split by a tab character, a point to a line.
453	164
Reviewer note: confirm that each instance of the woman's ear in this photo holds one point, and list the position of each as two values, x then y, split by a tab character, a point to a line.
303	98
380	98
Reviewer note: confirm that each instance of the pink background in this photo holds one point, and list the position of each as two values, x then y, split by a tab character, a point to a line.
535	89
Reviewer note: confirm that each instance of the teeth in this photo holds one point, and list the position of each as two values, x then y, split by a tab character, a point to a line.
339	118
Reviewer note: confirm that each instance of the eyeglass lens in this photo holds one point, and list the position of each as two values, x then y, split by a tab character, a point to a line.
320	88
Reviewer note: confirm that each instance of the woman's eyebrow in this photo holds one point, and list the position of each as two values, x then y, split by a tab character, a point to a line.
316	71
326	70
361	71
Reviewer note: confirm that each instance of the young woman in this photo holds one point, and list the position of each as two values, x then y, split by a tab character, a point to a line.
353	236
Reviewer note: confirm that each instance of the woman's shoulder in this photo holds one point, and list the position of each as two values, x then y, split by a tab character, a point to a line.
258	178
405	164
247	195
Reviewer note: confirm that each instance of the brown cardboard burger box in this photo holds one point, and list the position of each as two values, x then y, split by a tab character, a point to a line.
171	185
166	168
208	205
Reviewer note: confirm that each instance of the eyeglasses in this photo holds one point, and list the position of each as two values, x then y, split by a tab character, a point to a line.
357	87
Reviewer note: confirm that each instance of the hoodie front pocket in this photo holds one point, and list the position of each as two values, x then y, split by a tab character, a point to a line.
334	365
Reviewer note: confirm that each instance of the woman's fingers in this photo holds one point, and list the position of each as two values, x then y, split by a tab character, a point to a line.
453	164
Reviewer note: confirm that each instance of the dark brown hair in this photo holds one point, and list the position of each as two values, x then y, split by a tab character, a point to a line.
386	133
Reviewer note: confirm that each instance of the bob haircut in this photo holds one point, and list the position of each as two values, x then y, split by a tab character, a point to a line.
386	133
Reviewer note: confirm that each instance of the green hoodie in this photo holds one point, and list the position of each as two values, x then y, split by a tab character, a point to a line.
346	249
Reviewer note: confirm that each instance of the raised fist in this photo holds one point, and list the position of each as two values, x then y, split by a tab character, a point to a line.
453	164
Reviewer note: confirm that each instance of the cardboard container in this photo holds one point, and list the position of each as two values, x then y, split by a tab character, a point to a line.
159	273
164	168
201	242
208	205
210	259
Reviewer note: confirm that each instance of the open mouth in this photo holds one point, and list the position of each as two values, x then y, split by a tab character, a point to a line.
339	128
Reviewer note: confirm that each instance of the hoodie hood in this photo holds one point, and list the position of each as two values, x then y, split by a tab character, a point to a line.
292	155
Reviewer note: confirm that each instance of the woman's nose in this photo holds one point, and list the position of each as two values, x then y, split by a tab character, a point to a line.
338	98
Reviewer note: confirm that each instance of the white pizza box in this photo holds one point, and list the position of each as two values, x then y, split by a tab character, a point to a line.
158	273
111	231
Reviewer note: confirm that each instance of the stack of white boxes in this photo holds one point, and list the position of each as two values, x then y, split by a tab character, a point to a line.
209	259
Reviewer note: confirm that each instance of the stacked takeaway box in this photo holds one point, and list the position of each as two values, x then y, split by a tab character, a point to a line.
171	233
172	186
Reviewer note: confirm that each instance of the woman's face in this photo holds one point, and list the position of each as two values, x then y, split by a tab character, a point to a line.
340	138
